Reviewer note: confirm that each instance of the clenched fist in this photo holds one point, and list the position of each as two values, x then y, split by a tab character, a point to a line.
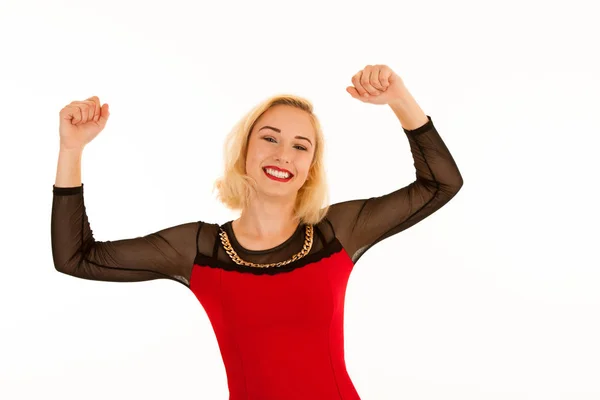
81	122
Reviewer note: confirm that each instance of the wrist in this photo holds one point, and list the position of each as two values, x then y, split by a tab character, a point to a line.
71	150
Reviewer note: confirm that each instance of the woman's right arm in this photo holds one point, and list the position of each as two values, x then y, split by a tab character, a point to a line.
168	253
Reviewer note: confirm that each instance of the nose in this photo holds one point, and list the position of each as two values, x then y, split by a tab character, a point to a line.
282	155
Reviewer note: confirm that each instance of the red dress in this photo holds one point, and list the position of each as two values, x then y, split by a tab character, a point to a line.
279	329
281	336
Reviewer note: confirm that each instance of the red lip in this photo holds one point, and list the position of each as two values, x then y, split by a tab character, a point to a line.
278	169
276	178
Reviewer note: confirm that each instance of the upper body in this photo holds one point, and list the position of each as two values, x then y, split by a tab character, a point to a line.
271	282
279	329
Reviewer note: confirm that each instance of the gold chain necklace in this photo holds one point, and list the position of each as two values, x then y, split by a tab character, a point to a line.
308	241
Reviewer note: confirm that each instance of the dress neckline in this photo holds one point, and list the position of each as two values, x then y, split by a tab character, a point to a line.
239	248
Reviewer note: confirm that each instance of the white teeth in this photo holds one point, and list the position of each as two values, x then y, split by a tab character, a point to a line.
278	174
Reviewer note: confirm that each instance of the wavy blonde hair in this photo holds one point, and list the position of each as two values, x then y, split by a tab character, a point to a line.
235	186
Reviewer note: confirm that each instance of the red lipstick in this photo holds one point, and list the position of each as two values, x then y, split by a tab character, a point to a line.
275	178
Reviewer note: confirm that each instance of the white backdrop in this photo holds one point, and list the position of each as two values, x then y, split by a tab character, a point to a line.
495	296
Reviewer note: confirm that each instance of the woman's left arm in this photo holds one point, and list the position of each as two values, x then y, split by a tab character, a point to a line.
359	224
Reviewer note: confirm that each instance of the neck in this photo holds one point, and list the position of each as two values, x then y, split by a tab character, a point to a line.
267	217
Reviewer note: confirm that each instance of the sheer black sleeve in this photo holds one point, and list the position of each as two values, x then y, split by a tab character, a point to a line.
167	254
359	224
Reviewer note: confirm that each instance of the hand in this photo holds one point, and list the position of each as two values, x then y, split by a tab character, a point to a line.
80	122
377	84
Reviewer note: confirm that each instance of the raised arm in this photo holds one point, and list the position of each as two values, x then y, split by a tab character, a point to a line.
359	224
166	254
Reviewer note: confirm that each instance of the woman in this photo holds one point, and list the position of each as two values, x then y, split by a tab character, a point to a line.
273	281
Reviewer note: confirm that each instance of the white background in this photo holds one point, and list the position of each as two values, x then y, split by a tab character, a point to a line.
495	296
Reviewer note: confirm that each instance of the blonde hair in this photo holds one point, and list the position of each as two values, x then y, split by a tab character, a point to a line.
235	187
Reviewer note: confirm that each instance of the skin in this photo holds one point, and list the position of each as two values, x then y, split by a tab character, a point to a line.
268	220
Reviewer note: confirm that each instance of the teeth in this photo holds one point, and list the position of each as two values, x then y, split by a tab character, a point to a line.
278	174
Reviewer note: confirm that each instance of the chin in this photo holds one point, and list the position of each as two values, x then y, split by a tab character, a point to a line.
281	191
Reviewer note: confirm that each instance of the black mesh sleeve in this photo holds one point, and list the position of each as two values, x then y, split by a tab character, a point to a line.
359	224
168	253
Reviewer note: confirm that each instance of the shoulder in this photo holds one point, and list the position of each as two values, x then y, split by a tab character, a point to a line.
209	226
325	228
196	228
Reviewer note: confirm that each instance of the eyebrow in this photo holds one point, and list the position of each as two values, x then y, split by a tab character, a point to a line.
279	131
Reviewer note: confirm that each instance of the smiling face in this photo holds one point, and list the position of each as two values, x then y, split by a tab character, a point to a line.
282	138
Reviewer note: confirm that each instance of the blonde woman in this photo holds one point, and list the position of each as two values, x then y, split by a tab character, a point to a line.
273	281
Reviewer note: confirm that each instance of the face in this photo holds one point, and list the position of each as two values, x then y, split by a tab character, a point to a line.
288	144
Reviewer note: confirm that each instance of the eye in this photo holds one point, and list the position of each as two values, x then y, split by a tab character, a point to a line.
269	138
